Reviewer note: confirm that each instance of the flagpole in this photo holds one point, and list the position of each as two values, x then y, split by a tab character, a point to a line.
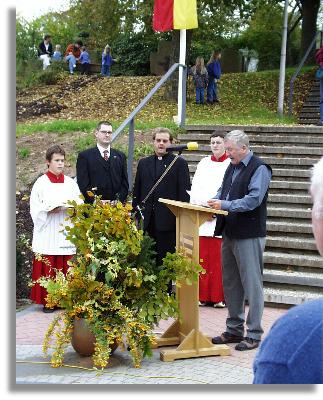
182	56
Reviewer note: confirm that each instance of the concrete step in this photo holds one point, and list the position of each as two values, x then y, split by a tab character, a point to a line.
310	108
285	242
289	198
303	278
294	185
291	161
297	260
293	213
309	121
292	173
259	129
279	151
303	228
204	139
275	293
309	115
286	139
271	160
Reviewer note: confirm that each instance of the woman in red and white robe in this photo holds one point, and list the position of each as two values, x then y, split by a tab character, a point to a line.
205	184
48	209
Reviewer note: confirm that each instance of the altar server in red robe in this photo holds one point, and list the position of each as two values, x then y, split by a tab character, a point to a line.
48	209
206	182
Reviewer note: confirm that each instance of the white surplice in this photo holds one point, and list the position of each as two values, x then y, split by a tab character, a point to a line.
205	184
48	235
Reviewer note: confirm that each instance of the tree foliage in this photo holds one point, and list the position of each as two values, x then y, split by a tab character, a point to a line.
122	24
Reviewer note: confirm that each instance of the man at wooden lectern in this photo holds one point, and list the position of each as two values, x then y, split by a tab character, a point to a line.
159	222
243	194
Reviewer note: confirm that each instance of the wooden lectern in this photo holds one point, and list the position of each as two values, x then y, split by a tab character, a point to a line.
185	331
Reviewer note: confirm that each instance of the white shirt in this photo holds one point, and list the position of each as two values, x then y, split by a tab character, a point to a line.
48	235
102	149
207	180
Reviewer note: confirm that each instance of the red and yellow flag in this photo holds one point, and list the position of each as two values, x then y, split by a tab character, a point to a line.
174	14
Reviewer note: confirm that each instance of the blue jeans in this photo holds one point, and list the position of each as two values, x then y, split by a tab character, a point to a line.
321	101
199	95
71	62
105	70
211	90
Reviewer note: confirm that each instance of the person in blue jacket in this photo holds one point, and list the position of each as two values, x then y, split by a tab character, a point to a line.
292	352
85	61
107	61
214	72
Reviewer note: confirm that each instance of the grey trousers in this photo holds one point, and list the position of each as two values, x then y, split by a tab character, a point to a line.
242	269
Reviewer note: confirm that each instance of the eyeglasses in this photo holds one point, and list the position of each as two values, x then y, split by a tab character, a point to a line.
106	132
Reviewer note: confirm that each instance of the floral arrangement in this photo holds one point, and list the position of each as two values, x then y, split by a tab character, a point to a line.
113	283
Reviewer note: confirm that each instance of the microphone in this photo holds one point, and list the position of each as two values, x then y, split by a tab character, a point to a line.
181	147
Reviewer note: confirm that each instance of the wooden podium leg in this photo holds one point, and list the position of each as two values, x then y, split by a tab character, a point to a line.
170	337
195	344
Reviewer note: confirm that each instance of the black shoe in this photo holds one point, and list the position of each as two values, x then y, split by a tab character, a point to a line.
227	337
247	344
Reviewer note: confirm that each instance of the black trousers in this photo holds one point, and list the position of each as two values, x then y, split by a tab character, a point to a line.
165	242
85	68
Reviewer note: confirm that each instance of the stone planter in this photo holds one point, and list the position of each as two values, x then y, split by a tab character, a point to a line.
83	339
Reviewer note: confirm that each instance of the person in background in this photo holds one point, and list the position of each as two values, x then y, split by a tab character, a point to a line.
200	79
48	208
57	56
214	71
72	54
159	222
319	60
75	49
243	194
85	61
45	51
70	58
102	169
206	182
292	352
107	61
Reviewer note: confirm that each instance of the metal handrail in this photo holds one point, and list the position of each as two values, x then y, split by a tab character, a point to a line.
292	80
130	120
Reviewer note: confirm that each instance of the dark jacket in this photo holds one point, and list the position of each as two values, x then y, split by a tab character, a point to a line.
42	49
109	177
242	225
173	187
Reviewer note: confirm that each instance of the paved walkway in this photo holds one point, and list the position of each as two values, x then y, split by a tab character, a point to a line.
32	367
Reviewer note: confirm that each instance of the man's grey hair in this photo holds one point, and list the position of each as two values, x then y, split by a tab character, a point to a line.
317	189
240	138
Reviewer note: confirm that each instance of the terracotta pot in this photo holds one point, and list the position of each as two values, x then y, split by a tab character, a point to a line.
83	339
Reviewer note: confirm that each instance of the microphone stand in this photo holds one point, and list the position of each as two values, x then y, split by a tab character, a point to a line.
140	208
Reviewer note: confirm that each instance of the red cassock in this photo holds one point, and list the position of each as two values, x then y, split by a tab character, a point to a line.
210	285
55	260
40	268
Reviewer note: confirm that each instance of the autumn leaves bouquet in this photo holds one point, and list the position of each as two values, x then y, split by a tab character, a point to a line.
112	283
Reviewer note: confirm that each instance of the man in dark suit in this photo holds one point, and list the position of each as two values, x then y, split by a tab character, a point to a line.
45	50
159	221
101	169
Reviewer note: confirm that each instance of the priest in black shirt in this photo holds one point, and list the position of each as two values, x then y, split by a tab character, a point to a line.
159	221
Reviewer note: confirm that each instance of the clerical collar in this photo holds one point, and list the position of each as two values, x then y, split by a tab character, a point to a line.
222	158
160	158
55	178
